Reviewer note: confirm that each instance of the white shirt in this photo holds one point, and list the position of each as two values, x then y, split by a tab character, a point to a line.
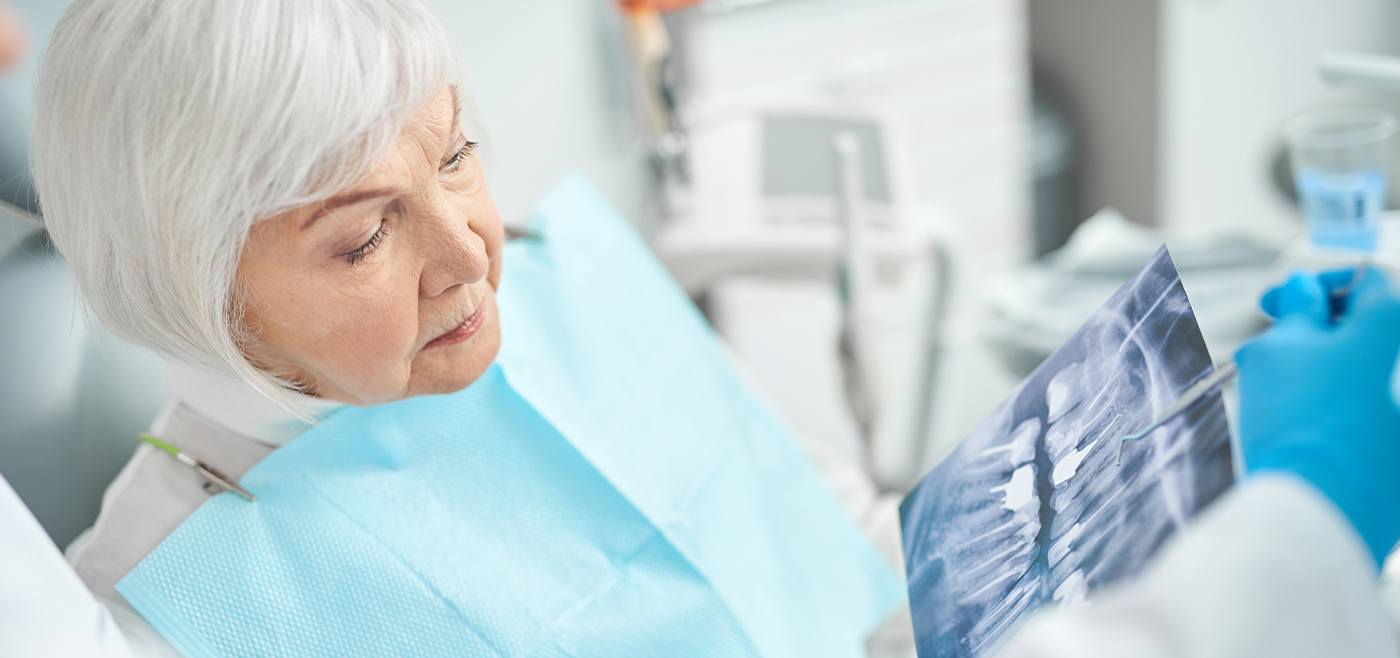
215	417
1271	570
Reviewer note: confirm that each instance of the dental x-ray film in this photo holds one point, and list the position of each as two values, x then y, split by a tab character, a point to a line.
1034	509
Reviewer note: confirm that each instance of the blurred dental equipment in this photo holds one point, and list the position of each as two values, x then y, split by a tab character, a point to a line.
1343	69
855	279
653	74
828	211
865	346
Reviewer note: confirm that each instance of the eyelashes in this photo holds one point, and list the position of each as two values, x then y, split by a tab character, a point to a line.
455	162
364	250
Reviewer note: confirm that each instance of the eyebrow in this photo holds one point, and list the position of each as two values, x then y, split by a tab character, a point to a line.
346	199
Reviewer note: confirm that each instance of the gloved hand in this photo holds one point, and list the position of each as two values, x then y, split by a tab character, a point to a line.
1315	397
1310	295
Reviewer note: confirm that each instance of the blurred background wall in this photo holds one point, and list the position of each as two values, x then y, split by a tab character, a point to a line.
1177	104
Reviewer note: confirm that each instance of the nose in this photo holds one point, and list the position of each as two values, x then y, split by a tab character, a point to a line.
456	255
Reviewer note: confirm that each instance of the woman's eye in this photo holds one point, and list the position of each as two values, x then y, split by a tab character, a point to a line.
455	162
361	252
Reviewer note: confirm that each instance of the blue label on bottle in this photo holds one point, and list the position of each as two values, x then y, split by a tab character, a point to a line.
1342	209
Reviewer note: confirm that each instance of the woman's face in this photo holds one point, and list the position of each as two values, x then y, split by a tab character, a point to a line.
386	290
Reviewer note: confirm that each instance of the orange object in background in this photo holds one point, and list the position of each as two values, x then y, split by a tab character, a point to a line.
660	6
13	40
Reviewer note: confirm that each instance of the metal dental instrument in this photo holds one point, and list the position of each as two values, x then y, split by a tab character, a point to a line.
1227	371
1223	373
208	472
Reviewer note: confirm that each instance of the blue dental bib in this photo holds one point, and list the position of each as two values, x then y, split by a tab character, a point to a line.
608	488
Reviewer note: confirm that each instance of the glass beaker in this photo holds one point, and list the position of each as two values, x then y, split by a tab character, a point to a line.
1341	158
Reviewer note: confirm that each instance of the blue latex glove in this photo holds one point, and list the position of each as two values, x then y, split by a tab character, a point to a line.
1310	295
1315	397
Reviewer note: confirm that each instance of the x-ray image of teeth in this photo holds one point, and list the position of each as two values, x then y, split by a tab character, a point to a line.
1033	509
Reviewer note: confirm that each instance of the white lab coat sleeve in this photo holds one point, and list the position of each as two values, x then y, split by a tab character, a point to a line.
1273	569
45	610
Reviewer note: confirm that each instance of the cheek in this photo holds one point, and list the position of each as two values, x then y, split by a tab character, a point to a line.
356	339
377	329
367	338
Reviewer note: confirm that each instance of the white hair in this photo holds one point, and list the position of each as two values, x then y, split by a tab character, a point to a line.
167	128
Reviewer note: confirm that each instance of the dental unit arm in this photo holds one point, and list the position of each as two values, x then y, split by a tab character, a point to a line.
840	234
857	241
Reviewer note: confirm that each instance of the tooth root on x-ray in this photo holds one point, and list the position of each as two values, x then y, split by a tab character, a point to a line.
1032	508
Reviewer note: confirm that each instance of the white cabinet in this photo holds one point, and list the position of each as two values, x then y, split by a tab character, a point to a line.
1179	102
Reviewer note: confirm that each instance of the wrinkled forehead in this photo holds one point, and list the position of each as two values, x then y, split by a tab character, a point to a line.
438	120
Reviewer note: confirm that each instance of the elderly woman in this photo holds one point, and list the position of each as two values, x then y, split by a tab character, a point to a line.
282	197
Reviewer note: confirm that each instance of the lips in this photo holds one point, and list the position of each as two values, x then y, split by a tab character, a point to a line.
462	331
